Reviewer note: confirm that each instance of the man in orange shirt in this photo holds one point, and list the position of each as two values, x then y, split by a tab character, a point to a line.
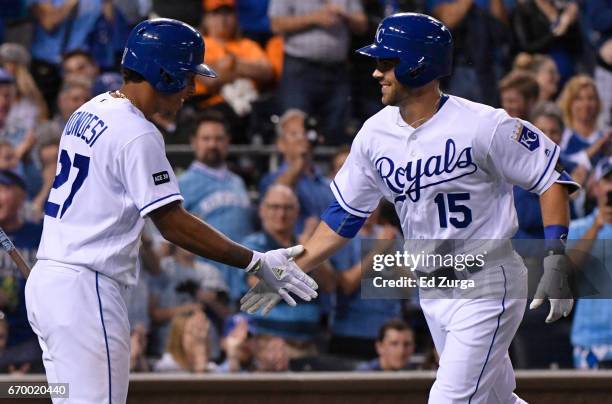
231	56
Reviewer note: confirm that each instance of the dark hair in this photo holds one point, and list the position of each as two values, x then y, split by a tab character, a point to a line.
549	110
210	116
393	324
78	52
130	75
388	215
521	81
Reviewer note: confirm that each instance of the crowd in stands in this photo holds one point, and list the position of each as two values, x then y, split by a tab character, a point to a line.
288	77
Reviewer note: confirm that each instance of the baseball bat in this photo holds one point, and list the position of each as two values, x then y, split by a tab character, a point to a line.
9	247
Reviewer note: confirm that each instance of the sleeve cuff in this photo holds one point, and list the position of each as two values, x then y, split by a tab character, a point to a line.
158	203
340	200
342	222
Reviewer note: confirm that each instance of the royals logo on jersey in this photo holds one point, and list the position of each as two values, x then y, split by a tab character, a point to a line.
526	137
414	176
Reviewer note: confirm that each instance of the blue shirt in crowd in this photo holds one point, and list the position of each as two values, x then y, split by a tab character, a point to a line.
220	198
313	193
253	15
573	143
47	45
593	316
354	316
300	322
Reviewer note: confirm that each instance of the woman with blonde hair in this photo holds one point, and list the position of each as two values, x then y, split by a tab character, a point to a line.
544	70
581	105
29	107
187	346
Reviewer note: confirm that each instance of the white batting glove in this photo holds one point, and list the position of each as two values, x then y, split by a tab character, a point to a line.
280	275
260	296
554	284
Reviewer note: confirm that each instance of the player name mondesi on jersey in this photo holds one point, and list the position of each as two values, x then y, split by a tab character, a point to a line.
423	282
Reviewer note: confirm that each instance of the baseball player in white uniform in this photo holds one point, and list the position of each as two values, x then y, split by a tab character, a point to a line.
449	165
112	173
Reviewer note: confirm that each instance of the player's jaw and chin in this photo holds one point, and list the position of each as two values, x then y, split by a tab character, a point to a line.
392	91
168	105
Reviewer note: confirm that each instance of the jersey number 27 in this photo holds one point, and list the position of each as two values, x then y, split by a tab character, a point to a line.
81	163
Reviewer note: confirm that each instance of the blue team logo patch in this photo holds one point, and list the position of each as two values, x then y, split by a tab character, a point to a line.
527	138
161	177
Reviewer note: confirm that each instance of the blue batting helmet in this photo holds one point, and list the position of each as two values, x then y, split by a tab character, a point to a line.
164	51
423	45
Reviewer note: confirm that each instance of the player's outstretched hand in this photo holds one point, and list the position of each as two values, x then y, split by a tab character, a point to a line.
260	296
279	275
554	285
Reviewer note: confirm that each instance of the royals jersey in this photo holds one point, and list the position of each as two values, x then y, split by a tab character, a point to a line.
450	178
112	171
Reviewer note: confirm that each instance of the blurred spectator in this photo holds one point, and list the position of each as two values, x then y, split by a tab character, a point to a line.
214	193
134	10
298	170
48	150
26	237
187	348
29	107
519	92
432	359
271	354
552	28
138	348
137	303
241	63
8	159
108	36
299	325
237	345
22	139
315	75
479	35
73	94
60	26
545	72
18	359
394	346
600	16
588	238
355	321
580	105
253	20
187	285
548	118
79	64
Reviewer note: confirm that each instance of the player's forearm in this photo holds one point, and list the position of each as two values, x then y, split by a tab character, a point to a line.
581	250
322	245
289	24
187	231
357	22
452	14
50	16
290	176
554	203
498	10
260	71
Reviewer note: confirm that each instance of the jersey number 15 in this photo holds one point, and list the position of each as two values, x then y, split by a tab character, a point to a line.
81	163
453	207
